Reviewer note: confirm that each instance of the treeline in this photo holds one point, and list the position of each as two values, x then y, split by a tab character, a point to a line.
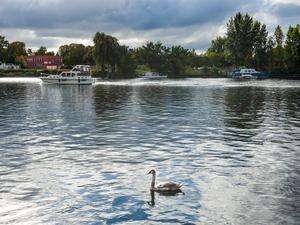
248	44
15	52
245	44
112	57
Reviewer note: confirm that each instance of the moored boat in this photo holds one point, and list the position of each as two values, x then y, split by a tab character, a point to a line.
247	74
153	75
80	74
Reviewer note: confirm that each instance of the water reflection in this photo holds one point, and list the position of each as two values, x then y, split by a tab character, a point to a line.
79	154
244	107
169	194
152	201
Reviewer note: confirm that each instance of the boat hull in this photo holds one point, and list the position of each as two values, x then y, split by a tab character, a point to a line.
65	81
245	77
153	78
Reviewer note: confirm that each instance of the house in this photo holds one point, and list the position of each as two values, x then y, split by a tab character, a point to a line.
49	62
9	66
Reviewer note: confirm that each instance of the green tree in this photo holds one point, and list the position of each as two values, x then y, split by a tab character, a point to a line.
217	52
292	48
270	53
260	45
246	41
72	54
278	63
153	55
105	51
126	63
218	45
41	51
88	57
15	50
178	58
240	39
279	36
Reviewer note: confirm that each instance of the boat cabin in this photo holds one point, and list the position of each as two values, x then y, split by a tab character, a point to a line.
249	71
67	74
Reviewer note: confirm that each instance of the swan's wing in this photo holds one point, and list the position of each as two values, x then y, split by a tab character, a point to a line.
170	186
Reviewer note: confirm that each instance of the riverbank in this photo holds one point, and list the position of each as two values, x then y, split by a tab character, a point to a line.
96	74
203	74
26	72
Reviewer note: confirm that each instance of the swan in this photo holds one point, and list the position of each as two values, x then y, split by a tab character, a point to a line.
169	187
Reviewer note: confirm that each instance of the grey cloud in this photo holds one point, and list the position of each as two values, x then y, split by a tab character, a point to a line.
134	14
192	23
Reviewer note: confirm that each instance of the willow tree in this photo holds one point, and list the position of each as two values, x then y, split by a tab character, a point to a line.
105	51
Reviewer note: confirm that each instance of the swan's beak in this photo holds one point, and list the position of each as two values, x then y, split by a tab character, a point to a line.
149	172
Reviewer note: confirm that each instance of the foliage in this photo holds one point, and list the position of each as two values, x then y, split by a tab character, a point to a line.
153	55
277	52
88	56
75	54
246	41
293	48
14	50
279	36
247	44
178	58
42	51
105	51
142	69
127	63
260	46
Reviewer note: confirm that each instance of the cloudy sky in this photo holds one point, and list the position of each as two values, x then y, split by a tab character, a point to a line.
191	23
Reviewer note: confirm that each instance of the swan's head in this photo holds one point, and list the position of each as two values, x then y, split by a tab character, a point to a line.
152	172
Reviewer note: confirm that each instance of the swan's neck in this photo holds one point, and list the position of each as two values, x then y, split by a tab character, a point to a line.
153	181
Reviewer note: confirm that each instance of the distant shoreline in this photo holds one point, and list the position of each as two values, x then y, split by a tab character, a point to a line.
25	73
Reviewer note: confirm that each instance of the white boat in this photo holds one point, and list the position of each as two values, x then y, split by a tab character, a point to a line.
153	75
247	74
80	74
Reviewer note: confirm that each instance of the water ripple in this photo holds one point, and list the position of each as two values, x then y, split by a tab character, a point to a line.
79	155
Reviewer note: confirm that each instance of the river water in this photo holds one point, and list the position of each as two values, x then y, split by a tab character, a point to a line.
80	154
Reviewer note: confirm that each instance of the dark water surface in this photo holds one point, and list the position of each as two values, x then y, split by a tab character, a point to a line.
80	154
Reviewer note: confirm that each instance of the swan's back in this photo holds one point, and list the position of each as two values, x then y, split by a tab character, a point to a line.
170	186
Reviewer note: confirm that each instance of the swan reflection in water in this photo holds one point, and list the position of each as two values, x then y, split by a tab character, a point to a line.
152	195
